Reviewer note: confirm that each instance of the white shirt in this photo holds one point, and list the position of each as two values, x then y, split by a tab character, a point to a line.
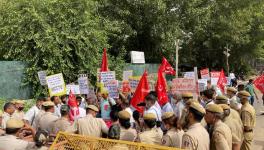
11	142
153	109
57	110
167	108
6	117
129	110
82	112
31	115
178	109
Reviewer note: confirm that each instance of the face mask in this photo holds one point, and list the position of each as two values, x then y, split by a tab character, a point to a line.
20	108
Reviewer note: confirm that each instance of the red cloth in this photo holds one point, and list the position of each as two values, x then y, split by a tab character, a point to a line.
161	88
259	83
108	123
140	93
222	81
166	67
74	110
104	65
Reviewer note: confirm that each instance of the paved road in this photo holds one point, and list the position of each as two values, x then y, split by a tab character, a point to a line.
258	143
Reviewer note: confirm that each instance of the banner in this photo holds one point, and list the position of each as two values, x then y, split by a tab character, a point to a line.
107	76
184	85
83	84
42	77
189	75
127	74
56	85
74	88
214	77
205	73
202	84
112	87
133	82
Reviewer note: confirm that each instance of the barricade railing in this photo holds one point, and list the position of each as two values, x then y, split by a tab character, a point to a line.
67	141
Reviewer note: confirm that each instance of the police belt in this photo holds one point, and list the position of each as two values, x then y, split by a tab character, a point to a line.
250	130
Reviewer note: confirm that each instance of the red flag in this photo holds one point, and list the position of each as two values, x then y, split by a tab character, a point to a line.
74	110
222	81
166	67
104	65
161	88
140	93
259	83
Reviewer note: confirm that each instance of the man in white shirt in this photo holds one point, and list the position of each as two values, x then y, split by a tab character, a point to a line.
82	111
57	102
151	106
31	114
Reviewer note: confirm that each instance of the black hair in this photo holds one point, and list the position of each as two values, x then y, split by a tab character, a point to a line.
46	108
63	112
114	115
12	130
136	115
151	97
53	98
209	93
125	123
198	116
78	98
154	93
41	98
8	105
150	123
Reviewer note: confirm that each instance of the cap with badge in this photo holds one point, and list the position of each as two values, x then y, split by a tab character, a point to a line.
221	99
124	115
244	94
92	107
48	104
167	115
14	124
187	95
232	89
214	108
149	116
197	107
224	106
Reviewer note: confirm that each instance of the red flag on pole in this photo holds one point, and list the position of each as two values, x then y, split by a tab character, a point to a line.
140	93
74	110
104	65
259	83
222	81
161	88
166	67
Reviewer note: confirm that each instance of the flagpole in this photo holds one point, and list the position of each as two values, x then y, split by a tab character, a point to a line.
177	56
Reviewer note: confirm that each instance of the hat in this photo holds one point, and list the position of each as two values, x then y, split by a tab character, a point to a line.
124	115
214	108
64	108
187	95
92	107
48	103
221	98
1	113
167	115
188	102
19	102
244	93
197	107
224	106
14	101
104	91
14	123
149	116
232	89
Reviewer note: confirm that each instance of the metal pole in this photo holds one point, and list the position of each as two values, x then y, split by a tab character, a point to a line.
177	56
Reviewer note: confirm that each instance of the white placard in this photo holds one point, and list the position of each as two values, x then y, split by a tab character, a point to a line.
214	77
107	76
112	87
133	82
205	73
127	74
189	75
137	57
184	85
74	88
42	77
202	84
56	85
83	85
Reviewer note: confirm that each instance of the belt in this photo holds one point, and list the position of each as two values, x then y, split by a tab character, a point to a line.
250	130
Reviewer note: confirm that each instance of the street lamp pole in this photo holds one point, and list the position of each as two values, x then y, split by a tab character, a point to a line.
227	57
177	41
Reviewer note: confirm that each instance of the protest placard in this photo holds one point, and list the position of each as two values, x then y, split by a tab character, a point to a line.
107	76
56	85
202	84
205	73
74	88
42	77
184	85
83	84
112	87
127	74
189	75
133	82
214	77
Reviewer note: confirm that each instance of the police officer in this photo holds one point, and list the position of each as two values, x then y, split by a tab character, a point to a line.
152	134
196	137
1	117
234	103
90	125
173	137
126	133
48	119
186	97
63	123
221	137
9	109
248	117
19	113
235	126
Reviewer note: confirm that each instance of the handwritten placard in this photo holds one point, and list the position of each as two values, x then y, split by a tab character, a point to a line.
214	77
133	82
42	77
107	76
127	74
74	88
205	73
83	84
56	85
112	87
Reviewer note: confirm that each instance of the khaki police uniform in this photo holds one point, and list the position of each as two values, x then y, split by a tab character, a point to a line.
18	115
128	134
173	138
151	136
6	117
61	124
248	116
196	137
47	121
37	118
